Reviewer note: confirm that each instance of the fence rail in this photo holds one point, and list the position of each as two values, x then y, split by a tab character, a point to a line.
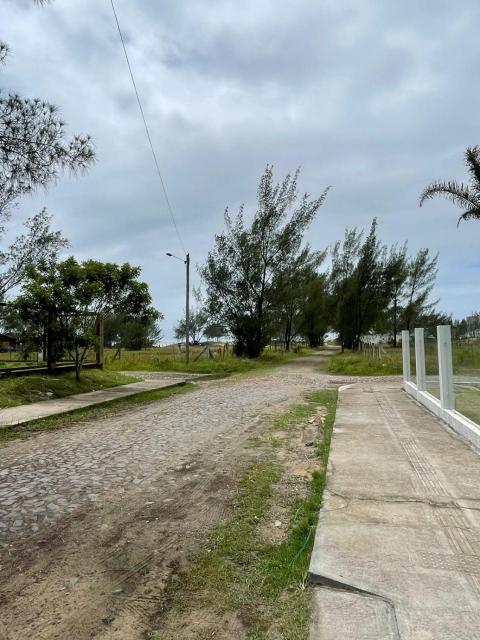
440	390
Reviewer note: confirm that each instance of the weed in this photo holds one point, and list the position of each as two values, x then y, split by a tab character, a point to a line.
237	572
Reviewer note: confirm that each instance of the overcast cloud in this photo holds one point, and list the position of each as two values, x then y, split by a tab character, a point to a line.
375	98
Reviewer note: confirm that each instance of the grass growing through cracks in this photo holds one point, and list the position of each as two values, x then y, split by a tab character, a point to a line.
238	572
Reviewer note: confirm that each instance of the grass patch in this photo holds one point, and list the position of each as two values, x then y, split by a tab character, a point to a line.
467	399
358	364
33	388
158	360
240	575
467	402
96	412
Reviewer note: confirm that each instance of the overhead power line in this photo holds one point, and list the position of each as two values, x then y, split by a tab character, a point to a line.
164	188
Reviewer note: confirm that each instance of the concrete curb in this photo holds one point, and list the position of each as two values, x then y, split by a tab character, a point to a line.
393	555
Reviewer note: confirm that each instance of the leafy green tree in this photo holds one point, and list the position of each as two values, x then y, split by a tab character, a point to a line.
214	331
240	271
197	323
133	332
66	297
467	197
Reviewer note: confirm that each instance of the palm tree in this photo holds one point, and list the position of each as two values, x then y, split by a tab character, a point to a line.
465	196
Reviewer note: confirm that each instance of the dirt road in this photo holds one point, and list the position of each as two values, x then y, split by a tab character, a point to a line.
97	518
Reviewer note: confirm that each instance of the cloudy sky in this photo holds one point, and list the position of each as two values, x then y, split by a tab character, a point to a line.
375	98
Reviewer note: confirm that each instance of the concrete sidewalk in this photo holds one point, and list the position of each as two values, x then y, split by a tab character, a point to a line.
35	410
397	550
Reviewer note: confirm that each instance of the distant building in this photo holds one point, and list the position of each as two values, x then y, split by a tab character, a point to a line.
8	343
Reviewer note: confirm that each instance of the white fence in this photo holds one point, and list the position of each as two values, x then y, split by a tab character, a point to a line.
443	407
372	345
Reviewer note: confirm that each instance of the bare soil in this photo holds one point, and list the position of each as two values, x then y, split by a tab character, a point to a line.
101	571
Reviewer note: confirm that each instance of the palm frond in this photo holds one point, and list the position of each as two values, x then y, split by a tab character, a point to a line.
458	193
470	214
472	160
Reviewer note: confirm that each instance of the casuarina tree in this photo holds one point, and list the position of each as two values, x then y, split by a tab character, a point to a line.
34	151
241	270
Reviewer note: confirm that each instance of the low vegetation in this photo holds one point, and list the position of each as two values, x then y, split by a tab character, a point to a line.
244	583
165	359
27	389
358	364
467	402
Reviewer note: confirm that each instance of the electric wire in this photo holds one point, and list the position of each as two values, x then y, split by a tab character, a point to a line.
164	188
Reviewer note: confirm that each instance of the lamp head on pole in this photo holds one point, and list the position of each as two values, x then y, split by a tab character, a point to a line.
171	255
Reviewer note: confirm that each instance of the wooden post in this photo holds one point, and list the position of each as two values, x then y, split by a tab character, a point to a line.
99	325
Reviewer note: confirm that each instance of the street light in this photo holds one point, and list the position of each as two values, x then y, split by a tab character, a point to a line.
186	262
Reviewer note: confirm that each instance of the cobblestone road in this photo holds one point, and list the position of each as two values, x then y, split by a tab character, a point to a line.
53	474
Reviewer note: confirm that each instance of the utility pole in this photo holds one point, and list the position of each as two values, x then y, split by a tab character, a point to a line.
186	262
187	310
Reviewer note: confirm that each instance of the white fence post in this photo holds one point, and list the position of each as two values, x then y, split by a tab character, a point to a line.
406	355
420	359
445	366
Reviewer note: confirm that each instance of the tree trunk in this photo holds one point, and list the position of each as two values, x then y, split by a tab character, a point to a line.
288	334
50	362
395	321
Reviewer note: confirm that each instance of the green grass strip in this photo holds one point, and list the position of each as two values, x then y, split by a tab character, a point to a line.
358	364
239	572
96	412
20	390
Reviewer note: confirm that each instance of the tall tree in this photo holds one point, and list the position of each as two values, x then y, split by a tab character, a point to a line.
368	293
34	150
422	272
396	273
239	272
344	261
290	290
467	197
314	317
